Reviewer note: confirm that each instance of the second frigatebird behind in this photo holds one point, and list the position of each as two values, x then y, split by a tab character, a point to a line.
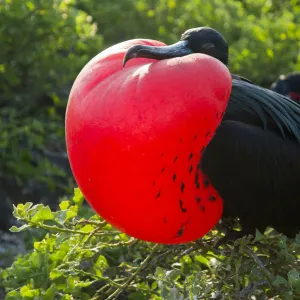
288	85
253	160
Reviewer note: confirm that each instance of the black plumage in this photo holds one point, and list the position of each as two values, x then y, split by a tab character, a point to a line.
253	160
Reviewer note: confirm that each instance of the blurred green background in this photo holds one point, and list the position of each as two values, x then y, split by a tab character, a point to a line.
44	44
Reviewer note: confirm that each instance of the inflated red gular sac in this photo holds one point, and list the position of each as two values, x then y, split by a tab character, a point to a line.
135	137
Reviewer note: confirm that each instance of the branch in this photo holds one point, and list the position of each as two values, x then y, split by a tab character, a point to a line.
60	229
269	276
117	292
250	289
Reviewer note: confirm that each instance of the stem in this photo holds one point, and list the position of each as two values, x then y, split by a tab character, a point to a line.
130	242
269	276
117	292
82	243
237	263
91	222
59	229
250	289
103	288
99	278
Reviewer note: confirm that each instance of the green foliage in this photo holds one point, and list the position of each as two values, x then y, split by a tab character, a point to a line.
82	258
43	46
264	36
46	43
73	254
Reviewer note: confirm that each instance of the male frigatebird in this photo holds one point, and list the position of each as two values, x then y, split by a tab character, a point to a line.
253	160
288	85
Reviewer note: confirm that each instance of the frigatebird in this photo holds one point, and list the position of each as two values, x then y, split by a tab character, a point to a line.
253	160
288	85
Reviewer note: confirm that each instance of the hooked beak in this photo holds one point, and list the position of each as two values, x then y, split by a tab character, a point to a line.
157	52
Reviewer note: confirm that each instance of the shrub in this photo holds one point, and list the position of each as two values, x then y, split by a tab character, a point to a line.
264	36
43	45
85	258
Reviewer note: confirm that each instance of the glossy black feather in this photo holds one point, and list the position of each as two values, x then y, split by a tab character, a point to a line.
256	105
257	173
253	160
238	77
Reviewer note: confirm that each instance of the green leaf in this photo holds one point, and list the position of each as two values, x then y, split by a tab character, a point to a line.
154	285
27	291
54	274
172	275
88	228
258	236
280	282
203	260
13	295
30	5
174	294
28	205
282	242
64	205
43	214
60	217
287	295
50	293
78	197
84	284
297	289
72	212
71	283
293	278
160	272
18	229
101	264
297	239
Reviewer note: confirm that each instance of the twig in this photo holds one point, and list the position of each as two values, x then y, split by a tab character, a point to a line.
90	222
103	288
60	229
130	242
98	278
117	292
250	289
269	276
82	243
237	263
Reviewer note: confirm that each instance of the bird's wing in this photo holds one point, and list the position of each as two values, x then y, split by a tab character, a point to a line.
255	105
257	173
238	77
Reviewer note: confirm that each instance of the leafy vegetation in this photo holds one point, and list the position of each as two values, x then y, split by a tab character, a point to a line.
264	36
85	258
72	253
44	44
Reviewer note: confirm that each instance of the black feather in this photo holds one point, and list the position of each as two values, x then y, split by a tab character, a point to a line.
257	173
264	106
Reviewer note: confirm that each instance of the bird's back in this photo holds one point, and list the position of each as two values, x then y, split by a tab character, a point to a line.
254	159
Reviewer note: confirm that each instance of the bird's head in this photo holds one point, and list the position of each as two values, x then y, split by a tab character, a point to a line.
196	40
288	85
